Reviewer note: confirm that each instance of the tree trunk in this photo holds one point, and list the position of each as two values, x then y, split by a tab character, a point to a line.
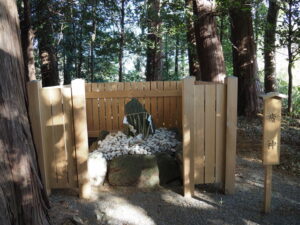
27	42
154	43
244	58
176	55
290	58
22	197
49	67
269	47
122	33
194	67
209	48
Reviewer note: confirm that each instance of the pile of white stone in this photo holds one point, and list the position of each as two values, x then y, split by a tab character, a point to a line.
117	144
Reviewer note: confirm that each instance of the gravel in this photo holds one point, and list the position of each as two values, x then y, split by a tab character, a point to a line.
117	144
166	206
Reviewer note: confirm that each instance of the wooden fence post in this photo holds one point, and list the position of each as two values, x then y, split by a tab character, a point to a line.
81	136
231	127
188	132
34	108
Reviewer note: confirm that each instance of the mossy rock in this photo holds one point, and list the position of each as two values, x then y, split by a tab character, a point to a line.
134	170
169	170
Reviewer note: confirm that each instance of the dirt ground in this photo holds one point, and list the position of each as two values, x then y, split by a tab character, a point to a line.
126	206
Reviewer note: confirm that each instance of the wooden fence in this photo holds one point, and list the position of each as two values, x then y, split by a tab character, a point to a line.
58	121
209	133
62	117
105	103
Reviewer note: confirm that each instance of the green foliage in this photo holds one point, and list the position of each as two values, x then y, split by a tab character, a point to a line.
283	88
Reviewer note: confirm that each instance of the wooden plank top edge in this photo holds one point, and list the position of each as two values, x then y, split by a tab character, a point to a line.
272	95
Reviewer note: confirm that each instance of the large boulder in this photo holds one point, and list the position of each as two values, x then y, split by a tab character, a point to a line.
169	170
134	170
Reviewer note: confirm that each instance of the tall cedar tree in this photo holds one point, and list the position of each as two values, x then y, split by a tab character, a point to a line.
209	48
154	42
121	43
269	46
22	197
27	41
194	68
49	67
244	57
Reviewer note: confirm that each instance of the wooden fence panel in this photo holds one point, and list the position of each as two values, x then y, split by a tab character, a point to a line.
210	133
162	99
199	133
220	132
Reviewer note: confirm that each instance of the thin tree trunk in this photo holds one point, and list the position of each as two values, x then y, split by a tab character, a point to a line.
92	41
121	40
22	197
166	57
27	42
154	43
176	55
269	46
290	59
244	58
194	67
209	48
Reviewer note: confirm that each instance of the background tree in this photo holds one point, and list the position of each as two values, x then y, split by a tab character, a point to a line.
209	48
22	197
244	56
290	37
154	44
270	46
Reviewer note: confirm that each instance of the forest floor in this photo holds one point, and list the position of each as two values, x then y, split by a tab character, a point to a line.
126	206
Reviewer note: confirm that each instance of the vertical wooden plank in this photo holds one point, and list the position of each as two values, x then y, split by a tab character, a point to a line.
188	125
115	108
46	124
95	110
147	99
210	133
166	106
179	106
36	122
89	108
108	110
220	132
102	120
120	87
69	137
173	103
153	100
268	188
199	133
58	138
231	123
127	88
81	136
160	106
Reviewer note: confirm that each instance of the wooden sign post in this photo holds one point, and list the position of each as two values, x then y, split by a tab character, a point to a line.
271	141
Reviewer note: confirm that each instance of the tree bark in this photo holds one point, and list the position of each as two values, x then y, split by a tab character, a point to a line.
194	67
122	33
269	47
290	58
176	55
22	196
154	43
209	48
27	42
49	67
244	57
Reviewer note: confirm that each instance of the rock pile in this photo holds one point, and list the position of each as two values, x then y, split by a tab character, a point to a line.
117	144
